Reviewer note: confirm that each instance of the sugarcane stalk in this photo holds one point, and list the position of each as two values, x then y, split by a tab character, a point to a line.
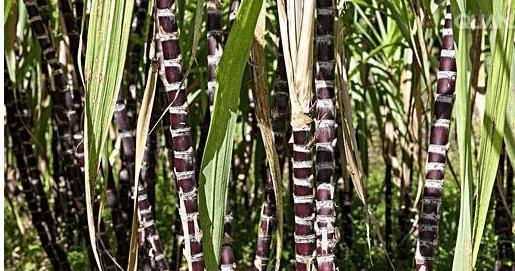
214	53
180	130
437	150
153	247
280	116
30	180
325	137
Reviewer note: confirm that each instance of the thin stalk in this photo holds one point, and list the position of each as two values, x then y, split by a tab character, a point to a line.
214	53
437	149
325	137
180	130
153	247
266	225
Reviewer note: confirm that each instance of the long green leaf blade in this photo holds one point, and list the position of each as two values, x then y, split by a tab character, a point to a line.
109	28
497	94
216	161
462	252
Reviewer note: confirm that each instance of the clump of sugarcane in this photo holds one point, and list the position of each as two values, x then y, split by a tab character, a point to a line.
184	164
437	149
30	179
325	136
65	103
279	125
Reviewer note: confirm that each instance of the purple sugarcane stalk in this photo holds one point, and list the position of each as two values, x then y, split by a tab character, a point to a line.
266	225
279	125
214	53
325	136
304	234
438	144
153	245
184	164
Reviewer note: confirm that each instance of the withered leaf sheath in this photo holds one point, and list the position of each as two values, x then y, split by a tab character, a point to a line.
184	164
30	179
325	137
438	144
280	118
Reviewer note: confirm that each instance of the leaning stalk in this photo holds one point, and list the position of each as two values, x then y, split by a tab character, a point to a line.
437	150
180	130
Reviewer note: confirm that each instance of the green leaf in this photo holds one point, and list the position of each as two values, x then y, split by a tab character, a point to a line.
8	4
216	161
108	35
497	94
509	130
462	252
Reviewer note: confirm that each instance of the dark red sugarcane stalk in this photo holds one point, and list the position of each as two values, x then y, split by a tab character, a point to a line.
303	198
438	144
214	53
184	164
502	219
153	247
325	136
31	183
279	125
266	225
227	262
178	236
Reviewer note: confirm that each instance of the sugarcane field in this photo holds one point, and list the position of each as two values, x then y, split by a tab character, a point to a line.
236	135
